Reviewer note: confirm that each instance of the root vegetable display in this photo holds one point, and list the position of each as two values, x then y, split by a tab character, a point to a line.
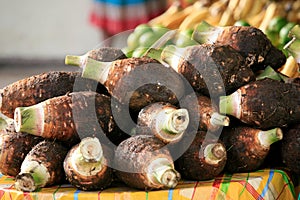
264	104
70	117
247	147
87	165
204	159
204	109
37	88
144	163
210	69
14	146
164	121
136	81
42	166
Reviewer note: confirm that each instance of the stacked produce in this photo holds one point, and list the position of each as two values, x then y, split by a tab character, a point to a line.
178	110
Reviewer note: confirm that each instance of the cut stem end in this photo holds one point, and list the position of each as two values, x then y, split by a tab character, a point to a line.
219	120
29	119
214	153
75	60
91	149
268	137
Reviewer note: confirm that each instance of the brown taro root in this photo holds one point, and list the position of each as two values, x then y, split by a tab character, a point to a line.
42	166
247	147
87	165
290	148
70	117
143	162
264	104
204	113
210	69
204	159
249	41
163	120
14	146
136	82
37	88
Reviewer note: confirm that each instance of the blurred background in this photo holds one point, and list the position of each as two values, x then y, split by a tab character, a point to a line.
36	35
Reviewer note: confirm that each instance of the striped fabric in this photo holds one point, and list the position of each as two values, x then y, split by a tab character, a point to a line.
116	16
266	184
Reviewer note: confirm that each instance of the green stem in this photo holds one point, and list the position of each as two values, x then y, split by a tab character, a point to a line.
154	53
214	153
206	33
32	177
268	137
172	55
4	121
269	72
75	60
293	46
219	120
30	119
295	32
96	70
162	41
231	104
161	172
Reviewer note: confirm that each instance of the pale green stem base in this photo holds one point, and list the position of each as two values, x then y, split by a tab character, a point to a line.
96	70
219	120
172	55
266	138
32	176
30	119
231	104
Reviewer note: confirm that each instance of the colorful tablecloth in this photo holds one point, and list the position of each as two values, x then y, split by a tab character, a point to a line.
266	184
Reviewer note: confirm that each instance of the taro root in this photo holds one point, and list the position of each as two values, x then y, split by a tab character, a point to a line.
249	41
70	117
136	82
290	148
247	147
14	146
87	165
264	104
204	159
210	69
37	88
163	120
144	163
42	166
204	109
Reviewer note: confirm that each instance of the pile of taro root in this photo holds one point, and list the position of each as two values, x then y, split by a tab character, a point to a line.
187	113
